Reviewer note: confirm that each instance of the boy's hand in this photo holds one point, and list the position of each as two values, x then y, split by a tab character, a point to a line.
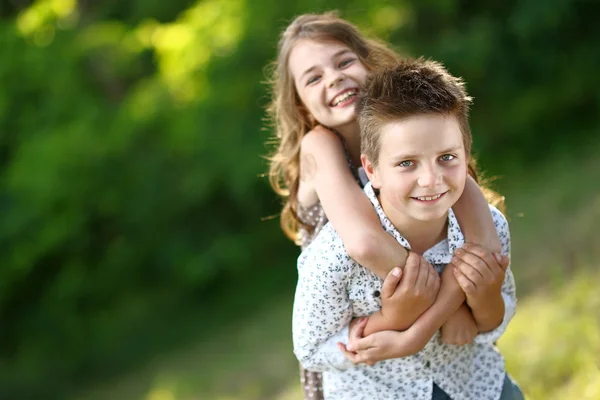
402	303
379	346
460	329
479	273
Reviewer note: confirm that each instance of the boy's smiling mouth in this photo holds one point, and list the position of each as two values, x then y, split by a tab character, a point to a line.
429	199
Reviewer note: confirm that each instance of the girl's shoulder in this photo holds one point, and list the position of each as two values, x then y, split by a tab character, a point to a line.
321	138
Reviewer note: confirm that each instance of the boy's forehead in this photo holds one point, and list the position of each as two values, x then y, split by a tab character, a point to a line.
420	134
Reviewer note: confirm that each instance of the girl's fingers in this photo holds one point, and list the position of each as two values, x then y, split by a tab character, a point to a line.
466	257
468	270
503	261
487	256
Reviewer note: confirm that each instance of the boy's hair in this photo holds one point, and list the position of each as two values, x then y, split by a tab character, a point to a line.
288	116
411	87
415	87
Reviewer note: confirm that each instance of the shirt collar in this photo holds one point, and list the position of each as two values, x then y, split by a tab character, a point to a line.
442	251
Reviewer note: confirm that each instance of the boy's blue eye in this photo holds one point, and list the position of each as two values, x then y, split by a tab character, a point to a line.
346	62
405	164
447	157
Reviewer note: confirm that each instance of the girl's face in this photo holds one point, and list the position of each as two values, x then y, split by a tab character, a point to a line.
422	168
327	76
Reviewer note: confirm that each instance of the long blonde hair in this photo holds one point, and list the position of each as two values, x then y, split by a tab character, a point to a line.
289	119
287	116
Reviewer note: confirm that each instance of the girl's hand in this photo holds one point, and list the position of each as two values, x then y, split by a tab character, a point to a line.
460	329
479	273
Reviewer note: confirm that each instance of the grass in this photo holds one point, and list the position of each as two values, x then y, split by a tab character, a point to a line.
552	347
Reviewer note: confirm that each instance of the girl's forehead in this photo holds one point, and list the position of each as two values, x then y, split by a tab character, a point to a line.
309	46
308	53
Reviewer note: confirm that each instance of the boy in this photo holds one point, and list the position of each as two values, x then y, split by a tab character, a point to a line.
416	147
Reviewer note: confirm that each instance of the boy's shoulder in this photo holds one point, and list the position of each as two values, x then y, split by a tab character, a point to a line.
501	224
326	251
500	220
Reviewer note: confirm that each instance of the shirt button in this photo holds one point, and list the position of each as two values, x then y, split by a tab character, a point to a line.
376	293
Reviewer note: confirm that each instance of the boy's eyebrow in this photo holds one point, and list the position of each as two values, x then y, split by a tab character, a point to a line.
337	54
408	156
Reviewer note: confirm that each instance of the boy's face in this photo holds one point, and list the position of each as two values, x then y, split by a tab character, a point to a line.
422	168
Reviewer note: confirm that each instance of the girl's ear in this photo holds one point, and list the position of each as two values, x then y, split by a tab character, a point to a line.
371	171
311	120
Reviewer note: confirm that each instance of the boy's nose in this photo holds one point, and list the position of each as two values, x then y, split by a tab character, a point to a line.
429	177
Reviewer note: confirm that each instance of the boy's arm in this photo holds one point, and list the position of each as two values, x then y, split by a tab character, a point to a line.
351	213
322	308
474	217
393	344
388	344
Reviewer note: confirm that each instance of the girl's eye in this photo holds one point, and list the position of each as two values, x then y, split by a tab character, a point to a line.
447	157
346	62
405	164
312	80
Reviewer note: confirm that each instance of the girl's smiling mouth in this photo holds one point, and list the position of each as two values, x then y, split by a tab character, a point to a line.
344	98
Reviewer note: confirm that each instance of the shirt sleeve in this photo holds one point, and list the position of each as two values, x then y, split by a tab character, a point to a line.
322	308
509	293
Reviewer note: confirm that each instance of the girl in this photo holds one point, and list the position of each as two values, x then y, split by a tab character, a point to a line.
321	66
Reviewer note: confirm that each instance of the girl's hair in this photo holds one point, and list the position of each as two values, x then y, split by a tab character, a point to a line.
289	118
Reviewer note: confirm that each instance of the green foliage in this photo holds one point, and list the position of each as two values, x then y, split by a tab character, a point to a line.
130	144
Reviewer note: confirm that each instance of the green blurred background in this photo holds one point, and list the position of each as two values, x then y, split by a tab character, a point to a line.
141	256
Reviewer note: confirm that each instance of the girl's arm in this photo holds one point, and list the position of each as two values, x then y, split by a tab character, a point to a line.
324	165
475	219
390	344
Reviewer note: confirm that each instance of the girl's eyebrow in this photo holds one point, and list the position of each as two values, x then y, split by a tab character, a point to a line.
336	55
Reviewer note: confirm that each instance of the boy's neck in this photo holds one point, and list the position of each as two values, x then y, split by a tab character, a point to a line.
421	235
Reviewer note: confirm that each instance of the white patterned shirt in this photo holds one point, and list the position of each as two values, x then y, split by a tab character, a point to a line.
332	289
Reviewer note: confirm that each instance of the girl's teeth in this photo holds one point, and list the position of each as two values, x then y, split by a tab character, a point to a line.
343	97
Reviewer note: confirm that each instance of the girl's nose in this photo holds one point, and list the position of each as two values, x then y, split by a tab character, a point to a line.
335	79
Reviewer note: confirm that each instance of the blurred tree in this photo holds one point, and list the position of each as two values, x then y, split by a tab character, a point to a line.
130	144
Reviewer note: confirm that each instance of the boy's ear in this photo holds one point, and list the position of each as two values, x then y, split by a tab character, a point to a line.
371	171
